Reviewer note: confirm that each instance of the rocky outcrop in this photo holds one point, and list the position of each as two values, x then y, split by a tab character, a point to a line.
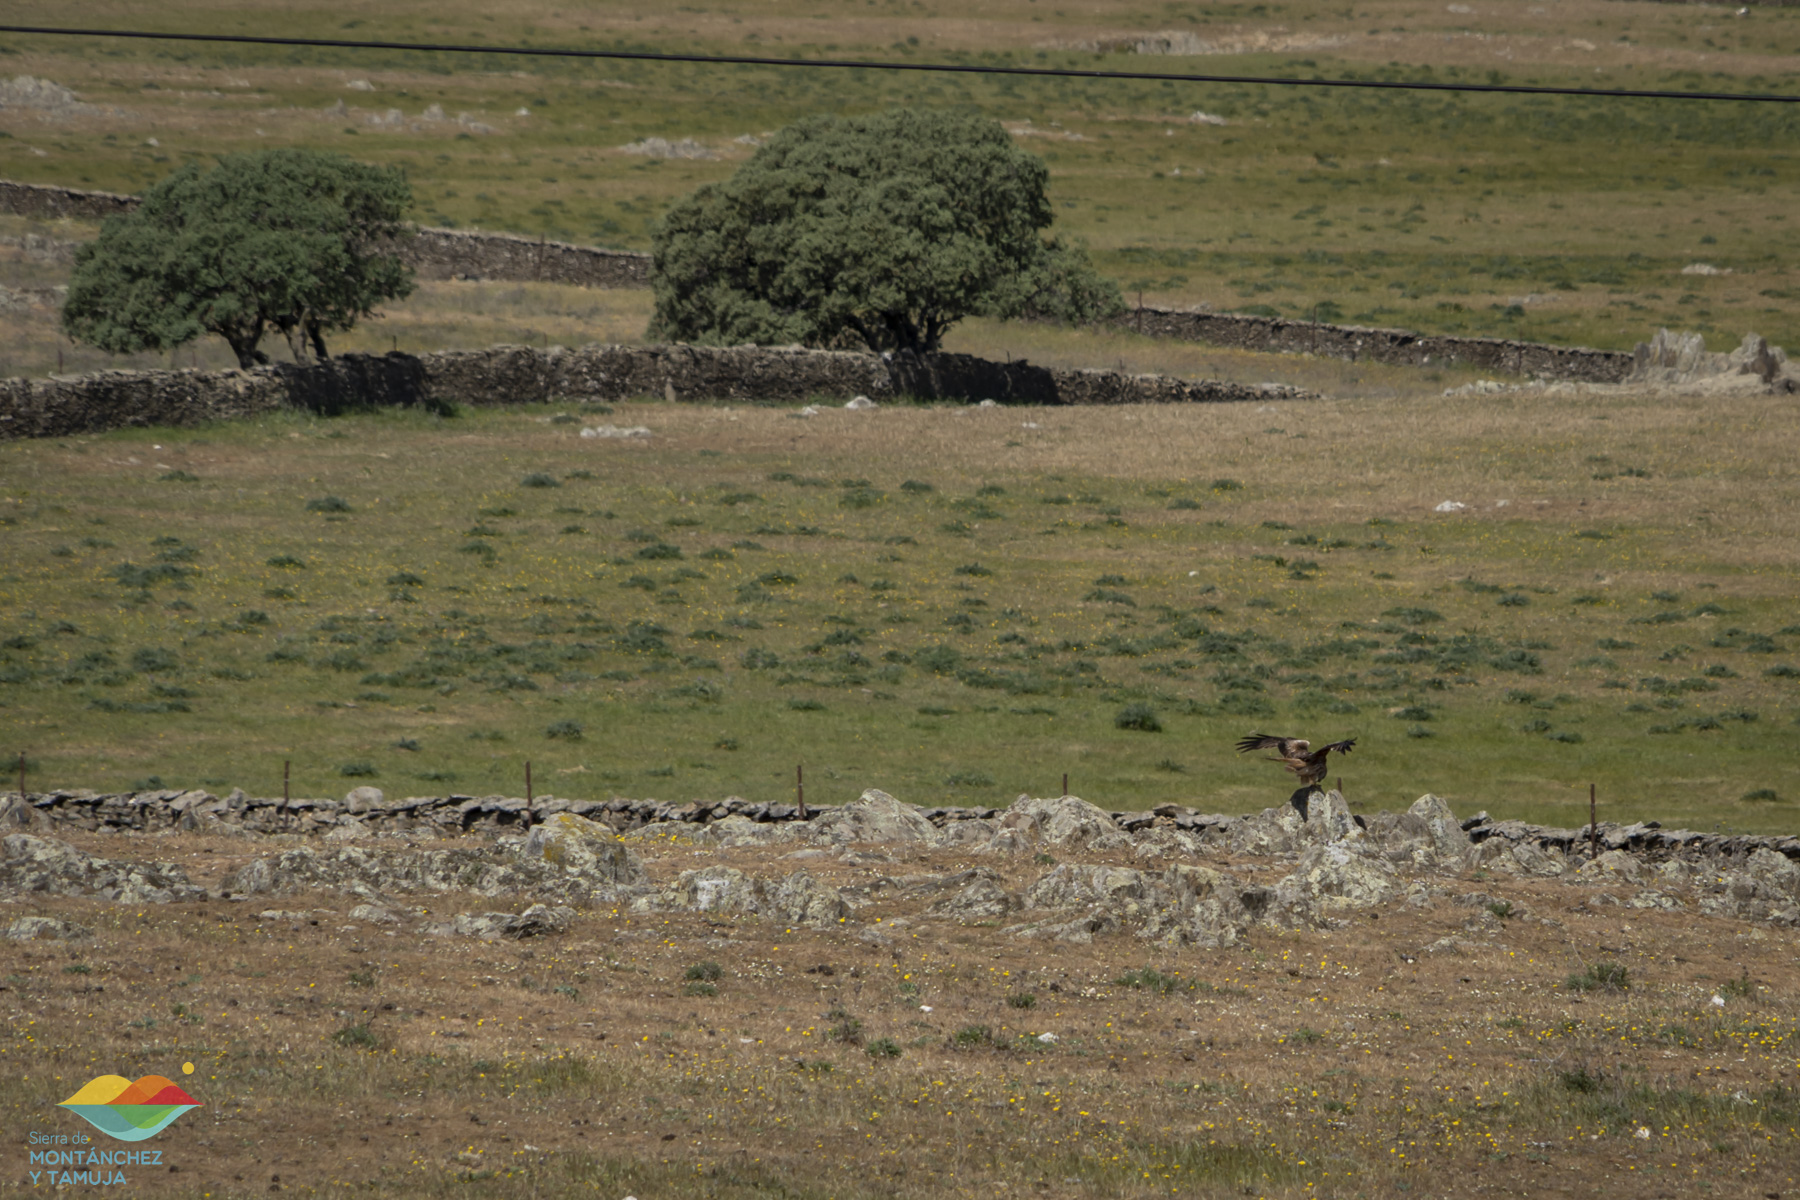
1682	358
537	921
47	867
45	929
797	899
373	874
586	848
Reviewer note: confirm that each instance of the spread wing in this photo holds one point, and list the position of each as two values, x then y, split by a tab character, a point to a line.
1338	747
1262	741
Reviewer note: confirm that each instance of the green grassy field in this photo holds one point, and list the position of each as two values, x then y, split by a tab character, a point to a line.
1555	219
952	605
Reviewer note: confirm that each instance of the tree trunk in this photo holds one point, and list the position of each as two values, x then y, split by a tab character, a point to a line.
243	344
296	340
317	337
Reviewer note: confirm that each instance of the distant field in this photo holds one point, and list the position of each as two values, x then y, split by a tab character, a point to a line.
1557	219
953	605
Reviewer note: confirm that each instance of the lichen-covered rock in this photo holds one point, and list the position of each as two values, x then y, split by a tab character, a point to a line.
1329	879
1196	906
1612	867
46	866
1653	899
1765	888
537	921
802	900
1070	885
1066	822
980	894
873	817
585	847
1424	836
1513	858
371	874
1283	830
799	899
45	929
1163	841
972	834
1082	930
736	831
374	914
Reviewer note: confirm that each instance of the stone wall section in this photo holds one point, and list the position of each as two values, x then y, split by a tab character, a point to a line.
170	810
502	375
432	253
466	254
1395	346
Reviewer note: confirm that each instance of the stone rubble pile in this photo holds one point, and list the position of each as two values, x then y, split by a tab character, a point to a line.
565	856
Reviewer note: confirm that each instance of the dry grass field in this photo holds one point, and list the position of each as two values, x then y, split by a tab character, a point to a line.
1421	1050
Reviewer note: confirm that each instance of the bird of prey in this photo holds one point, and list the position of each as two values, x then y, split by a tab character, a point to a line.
1296	754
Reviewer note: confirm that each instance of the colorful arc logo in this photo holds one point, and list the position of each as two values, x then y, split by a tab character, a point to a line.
127	1111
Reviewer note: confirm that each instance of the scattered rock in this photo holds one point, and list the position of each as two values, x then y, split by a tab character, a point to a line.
655	147
45	866
616	431
585	847
1426	835
980	895
45	929
1329	879
374	914
1284	830
52	99
360	800
861	404
799	899
1066	823
537	921
873	817
1614	867
371	874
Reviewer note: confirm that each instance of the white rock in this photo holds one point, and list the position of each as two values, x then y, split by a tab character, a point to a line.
362	799
1450	506
616	431
1700	268
861	404
1206	118
360	85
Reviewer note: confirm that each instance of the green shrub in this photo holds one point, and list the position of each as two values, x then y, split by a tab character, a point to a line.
356	1037
537	479
1138	716
706	972
1021	1000
569	731
882	1048
328	504
1600	977
358	770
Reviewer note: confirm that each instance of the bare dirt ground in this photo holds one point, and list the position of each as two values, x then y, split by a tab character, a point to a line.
1436	1045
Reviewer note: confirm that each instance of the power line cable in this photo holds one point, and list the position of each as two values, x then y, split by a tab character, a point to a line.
745	60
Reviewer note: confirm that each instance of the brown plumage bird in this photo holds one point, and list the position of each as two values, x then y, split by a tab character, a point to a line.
1296	754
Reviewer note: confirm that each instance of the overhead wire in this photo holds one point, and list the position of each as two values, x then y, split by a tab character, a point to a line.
748	60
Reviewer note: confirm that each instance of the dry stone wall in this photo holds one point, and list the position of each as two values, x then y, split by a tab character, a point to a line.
1396	346
502	375
367	810
463	254
433	253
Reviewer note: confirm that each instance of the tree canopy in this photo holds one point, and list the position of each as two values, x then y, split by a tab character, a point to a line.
298	241
890	228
